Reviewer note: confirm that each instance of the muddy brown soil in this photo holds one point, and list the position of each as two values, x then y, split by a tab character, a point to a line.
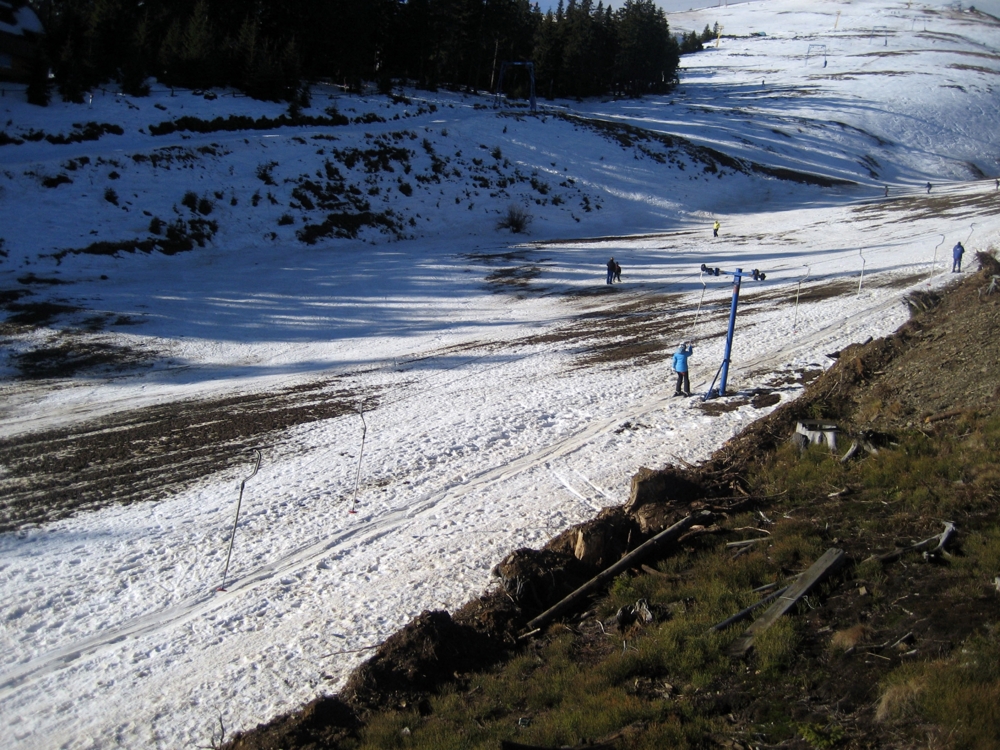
152	453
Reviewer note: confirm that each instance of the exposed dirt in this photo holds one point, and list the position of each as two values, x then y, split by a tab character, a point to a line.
941	364
149	454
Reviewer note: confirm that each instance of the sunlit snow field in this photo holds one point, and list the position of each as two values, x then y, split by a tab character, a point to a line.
491	431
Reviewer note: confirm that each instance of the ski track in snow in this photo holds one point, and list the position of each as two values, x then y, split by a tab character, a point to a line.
483	440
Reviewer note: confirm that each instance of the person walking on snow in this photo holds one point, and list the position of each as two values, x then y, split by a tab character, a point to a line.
618	273
956	258
715	228
681	368
611	269
928	188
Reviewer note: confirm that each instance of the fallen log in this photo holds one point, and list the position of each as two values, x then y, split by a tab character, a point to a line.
943	415
633	558
826	564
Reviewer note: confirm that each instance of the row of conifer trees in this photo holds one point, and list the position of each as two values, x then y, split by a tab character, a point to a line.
267	48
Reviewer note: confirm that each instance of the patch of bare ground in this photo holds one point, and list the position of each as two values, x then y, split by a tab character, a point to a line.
933	205
617	238
149	454
856	663
628	329
512	271
812	292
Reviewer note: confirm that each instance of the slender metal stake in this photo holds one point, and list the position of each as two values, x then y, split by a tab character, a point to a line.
795	318
862	279
704	286
934	262
233	535
357	479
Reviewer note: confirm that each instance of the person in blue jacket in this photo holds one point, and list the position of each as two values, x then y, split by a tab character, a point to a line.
681	368
956	257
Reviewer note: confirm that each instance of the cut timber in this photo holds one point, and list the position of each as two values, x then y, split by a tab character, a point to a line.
634	557
745	613
830	561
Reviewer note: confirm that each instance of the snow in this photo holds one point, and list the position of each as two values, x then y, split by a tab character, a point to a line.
24	20
491	430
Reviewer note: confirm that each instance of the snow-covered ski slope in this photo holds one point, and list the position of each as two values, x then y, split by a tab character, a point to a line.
509	392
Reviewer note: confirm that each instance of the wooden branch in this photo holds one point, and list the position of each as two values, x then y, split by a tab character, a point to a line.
654	572
745	542
850	453
942	539
830	560
943	415
633	558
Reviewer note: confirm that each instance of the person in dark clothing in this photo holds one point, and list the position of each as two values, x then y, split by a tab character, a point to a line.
611	269
928	187
956	258
618	272
681	368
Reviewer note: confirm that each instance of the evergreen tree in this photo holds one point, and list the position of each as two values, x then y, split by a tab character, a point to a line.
647	53
549	55
264	46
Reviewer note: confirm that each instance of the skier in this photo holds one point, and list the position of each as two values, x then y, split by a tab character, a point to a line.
956	258
715	228
928	188
681	368
611	269
886	191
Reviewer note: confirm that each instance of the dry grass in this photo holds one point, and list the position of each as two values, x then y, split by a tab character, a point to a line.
899	700
850	638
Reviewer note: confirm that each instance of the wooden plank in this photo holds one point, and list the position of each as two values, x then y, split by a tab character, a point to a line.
745	613
631	559
830	561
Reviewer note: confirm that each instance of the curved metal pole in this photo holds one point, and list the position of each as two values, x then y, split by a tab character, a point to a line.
795	319
934	262
232	537
357	479
861	280
704	286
